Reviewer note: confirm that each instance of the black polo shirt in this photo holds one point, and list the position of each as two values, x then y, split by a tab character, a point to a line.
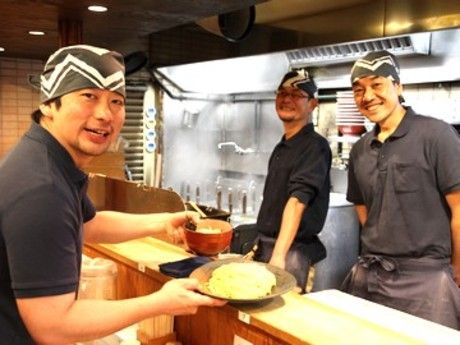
298	167
402	182
43	206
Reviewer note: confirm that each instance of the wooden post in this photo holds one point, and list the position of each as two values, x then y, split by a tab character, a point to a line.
70	32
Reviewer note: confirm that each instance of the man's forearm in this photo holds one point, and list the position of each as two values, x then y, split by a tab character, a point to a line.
453	199
114	227
455	261
292	216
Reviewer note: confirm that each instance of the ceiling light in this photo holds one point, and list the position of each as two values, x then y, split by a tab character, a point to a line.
2	49
97	8
36	33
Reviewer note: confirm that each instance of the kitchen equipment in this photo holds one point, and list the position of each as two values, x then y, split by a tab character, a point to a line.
210	212
351	129
244	238
98	279
340	236
135	61
209	244
348	118
284	280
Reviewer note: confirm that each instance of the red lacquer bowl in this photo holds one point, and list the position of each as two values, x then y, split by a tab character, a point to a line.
209	244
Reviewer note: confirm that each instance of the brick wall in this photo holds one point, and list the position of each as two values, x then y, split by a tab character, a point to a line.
17	99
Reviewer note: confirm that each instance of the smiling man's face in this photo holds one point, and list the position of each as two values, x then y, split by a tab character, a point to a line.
376	97
86	123
293	104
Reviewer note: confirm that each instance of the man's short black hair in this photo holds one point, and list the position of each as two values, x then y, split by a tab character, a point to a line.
37	114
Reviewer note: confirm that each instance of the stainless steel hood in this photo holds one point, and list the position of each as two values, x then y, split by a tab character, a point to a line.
346	52
424	58
431	57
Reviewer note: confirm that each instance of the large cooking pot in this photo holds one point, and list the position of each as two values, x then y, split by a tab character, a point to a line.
210	212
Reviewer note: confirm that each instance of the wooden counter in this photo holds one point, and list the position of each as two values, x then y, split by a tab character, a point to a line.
323	318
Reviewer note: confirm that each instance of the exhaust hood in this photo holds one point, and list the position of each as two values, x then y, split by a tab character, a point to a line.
423	57
346	52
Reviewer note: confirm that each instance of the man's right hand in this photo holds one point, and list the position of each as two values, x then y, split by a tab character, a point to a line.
180	298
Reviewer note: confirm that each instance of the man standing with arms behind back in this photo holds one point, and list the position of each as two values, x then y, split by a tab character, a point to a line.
45	214
404	179
296	192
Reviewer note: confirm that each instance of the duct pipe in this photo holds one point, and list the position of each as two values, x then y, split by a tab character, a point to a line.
233	26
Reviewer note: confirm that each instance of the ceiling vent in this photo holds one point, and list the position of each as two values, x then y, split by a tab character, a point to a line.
345	52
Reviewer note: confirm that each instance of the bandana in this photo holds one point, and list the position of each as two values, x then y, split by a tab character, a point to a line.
379	63
81	66
300	79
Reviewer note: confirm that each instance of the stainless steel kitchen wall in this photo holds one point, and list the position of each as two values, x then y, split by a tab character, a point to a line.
219	157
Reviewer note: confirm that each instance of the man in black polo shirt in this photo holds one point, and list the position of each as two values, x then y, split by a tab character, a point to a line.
45	214
296	192
404	179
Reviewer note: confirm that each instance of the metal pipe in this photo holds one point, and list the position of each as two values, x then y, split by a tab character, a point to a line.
161	79
238	149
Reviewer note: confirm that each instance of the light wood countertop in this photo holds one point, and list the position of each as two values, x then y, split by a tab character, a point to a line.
327	317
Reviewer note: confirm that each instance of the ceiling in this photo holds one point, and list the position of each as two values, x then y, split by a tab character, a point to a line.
168	29
126	24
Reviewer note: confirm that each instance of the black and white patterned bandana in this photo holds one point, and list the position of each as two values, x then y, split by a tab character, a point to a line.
379	63
81	66
300	79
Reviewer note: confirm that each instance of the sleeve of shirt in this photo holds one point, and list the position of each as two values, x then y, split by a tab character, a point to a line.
354	194
447	153
41	233
89	211
310	172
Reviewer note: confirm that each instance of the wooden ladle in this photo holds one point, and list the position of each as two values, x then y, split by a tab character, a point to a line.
196	208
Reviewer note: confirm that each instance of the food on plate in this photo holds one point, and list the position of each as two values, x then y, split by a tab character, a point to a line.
241	280
209	230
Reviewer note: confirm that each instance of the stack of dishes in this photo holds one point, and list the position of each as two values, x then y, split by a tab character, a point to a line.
348	118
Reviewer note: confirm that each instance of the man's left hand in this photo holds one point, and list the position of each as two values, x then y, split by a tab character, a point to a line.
278	261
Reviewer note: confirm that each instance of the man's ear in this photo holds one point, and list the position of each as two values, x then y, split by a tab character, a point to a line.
314	102
46	110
